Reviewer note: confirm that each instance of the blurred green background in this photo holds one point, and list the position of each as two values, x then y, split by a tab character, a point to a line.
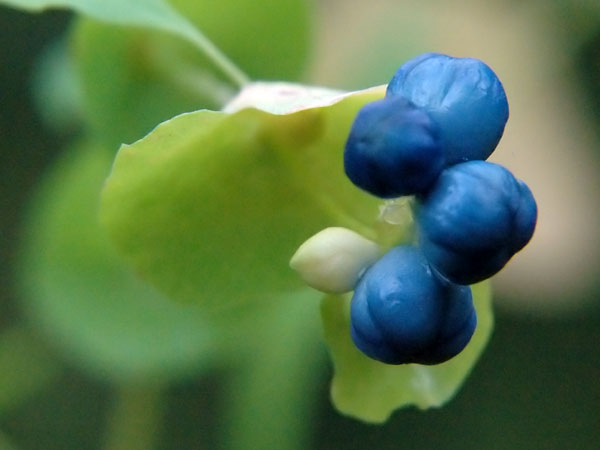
537	385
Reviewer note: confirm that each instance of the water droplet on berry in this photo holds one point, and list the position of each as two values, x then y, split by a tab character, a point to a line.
396	211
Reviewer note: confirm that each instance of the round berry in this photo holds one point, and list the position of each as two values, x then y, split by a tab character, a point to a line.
402	312
393	149
462	95
474	219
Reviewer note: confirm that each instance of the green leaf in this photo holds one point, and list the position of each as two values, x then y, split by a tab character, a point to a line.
77	292
57	89
135	78
267	39
150	13
210	206
370	391
156	14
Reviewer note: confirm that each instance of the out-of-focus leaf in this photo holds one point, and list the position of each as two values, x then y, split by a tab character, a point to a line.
131	81
6	443
267	39
136	78
25	368
210	206
156	14
135	421
57	89
77	291
369	390
579	18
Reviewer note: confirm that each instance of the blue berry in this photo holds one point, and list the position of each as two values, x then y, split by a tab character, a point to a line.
402	312
462	95
393	149
474	219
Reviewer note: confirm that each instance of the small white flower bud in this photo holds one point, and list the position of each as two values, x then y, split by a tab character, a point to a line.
333	259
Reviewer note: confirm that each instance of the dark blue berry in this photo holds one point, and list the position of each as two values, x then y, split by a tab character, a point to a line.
402	312
393	149
462	95
474	219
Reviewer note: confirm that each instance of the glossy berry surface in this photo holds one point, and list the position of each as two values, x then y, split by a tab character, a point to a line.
402	312
393	149
475	218
462	95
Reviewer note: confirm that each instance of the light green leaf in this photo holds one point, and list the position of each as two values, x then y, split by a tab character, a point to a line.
81	296
210	206
370	391
156	14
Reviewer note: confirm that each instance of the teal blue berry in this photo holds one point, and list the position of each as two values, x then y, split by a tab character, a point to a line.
393	149
462	95
402	312
474	219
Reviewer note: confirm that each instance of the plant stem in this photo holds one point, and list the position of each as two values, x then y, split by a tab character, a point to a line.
271	396
212	52
189	77
135	419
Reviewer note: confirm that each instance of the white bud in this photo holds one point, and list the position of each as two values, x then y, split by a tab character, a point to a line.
333	260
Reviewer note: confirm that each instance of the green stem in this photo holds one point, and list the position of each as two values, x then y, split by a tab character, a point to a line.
399	225
134	421
212	52
341	218
189	77
271	396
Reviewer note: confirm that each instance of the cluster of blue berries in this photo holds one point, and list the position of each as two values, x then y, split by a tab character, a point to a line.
429	137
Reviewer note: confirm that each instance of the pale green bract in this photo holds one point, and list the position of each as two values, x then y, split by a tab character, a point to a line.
369	390
210	206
